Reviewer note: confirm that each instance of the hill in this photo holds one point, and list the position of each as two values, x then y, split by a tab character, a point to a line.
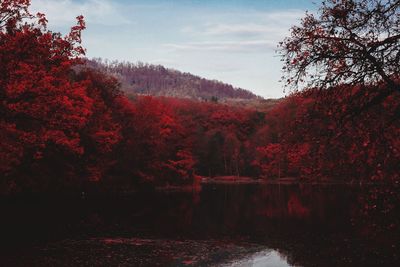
156	80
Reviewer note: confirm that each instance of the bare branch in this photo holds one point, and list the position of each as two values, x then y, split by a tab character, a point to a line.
350	41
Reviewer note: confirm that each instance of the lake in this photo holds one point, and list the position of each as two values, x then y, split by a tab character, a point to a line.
219	225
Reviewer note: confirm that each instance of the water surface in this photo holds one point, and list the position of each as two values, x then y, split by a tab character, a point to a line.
221	225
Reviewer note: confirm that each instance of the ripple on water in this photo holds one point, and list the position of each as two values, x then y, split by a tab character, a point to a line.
265	258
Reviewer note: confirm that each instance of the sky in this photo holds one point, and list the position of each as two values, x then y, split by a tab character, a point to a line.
233	41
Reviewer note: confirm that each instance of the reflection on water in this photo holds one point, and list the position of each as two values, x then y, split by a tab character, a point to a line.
266	258
241	225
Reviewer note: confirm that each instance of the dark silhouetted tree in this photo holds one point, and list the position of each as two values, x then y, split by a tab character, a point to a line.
349	41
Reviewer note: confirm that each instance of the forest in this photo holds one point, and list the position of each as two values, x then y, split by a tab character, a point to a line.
65	124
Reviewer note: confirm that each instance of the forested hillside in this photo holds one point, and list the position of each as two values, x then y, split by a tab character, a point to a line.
64	124
156	80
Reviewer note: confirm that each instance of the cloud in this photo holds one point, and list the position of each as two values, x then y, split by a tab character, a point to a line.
283	16
272	23
250	22
248	29
255	32
227	46
63	12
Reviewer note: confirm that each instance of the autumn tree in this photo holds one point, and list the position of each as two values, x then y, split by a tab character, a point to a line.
348	41
50	118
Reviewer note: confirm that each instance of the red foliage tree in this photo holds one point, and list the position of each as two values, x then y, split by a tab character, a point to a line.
51	119
42	108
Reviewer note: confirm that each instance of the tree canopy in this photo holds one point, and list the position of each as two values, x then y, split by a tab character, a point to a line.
348	41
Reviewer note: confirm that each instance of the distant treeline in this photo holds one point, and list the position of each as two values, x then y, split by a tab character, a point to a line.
156	80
